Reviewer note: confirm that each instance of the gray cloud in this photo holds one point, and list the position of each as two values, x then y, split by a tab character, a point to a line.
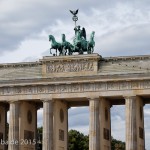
133	40
78	117
20	20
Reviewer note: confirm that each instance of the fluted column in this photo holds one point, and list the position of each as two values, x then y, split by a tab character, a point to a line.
14	126
94	125
47	125
131	128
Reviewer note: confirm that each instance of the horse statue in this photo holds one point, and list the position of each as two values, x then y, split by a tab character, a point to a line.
91	43
55	45
80	43
66	46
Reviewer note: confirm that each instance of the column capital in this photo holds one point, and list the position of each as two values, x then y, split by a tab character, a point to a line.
13	102
129	96
93	98
47	100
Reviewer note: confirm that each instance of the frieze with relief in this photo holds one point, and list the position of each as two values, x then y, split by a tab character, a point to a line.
72	66
76	88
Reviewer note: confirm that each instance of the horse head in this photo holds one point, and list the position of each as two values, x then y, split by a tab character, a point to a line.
92	36
91	43
51	37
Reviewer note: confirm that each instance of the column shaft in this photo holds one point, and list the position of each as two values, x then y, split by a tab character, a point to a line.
131	128
47	125
105	124
94	125
14	126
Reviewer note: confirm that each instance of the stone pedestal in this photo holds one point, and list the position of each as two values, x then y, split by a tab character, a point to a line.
134	124
94	124
105	124
47	125
14	126
60	125
3	123
27	123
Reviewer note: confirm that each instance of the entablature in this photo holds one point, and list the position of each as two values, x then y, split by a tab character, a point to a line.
75	68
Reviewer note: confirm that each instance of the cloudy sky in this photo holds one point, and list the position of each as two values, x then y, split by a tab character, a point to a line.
122	27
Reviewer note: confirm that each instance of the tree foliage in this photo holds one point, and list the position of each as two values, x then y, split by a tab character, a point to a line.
78	141
117	145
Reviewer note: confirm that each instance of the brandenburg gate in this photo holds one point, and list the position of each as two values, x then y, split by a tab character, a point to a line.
60	82
57	83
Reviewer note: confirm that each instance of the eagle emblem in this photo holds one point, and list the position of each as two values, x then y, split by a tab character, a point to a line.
74	12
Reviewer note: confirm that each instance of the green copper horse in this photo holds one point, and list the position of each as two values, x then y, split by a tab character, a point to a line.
55	45
66	46
80	44
91	43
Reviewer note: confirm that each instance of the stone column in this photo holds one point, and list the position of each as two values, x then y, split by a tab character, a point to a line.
47	125
60	114
105	124
135	138
131	134
27	123
94	124
14	126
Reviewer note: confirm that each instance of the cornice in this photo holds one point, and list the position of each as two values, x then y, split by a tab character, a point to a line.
70	58
72	80
126	58
18	65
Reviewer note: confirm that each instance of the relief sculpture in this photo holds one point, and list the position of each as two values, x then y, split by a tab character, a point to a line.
71	67
76	87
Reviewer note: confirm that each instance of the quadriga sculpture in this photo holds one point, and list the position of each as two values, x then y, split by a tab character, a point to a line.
80	44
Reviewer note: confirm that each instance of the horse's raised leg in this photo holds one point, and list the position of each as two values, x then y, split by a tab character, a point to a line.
50	51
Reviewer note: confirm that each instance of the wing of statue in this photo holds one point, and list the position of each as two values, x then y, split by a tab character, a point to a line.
76	11
83	33
72	12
